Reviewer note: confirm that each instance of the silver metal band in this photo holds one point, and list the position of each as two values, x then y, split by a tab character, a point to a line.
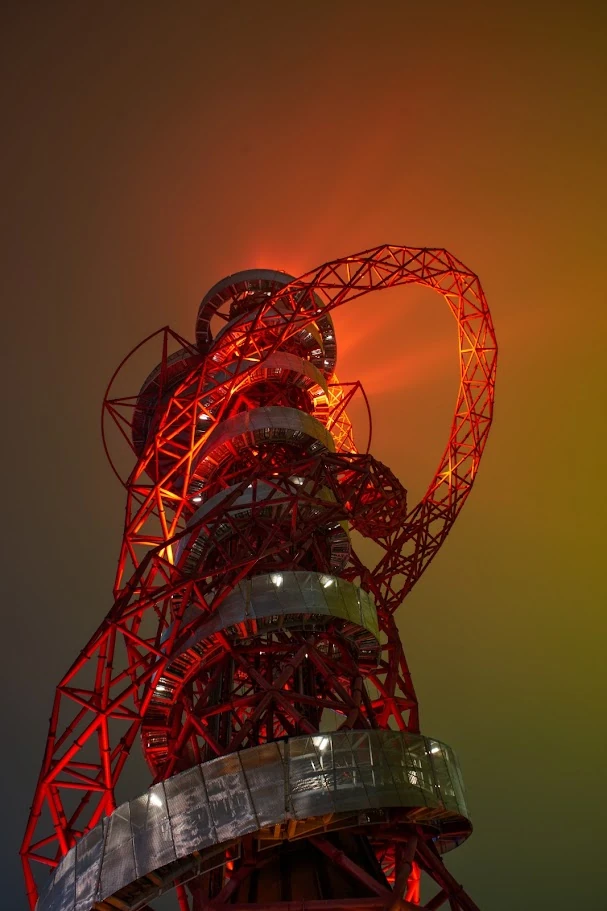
282	366
261	425
268	501
226	290
303	783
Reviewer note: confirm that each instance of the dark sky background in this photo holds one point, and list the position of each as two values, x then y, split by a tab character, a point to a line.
148	150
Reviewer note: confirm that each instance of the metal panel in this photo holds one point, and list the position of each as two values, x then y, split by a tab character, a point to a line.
455	772
118	863
152	836
153	848
61	896
119	826
230	802
310	776
89	852
264	770
349	787
375	773
117	869
188	808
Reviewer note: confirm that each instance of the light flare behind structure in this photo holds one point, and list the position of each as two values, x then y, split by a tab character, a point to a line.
249	647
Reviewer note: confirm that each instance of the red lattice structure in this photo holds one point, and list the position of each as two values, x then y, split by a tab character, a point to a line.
247	636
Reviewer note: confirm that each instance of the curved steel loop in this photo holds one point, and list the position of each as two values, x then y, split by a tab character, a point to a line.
383	267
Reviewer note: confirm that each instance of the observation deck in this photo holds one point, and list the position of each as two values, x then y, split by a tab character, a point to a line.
290	789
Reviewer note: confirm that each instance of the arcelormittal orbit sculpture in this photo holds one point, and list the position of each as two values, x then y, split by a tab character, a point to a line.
249	648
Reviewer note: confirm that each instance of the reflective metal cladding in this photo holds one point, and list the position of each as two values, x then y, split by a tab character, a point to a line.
339	773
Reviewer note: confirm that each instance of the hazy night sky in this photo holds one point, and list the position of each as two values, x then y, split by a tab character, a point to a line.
150	149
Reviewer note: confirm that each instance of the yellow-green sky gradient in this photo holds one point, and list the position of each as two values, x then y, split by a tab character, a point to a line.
151	148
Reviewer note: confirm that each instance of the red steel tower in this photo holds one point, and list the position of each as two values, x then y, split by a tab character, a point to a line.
249	648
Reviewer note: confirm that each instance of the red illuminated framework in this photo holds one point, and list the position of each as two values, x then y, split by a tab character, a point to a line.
248	490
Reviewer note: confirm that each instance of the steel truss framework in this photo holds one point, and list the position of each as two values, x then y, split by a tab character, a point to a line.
244	692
